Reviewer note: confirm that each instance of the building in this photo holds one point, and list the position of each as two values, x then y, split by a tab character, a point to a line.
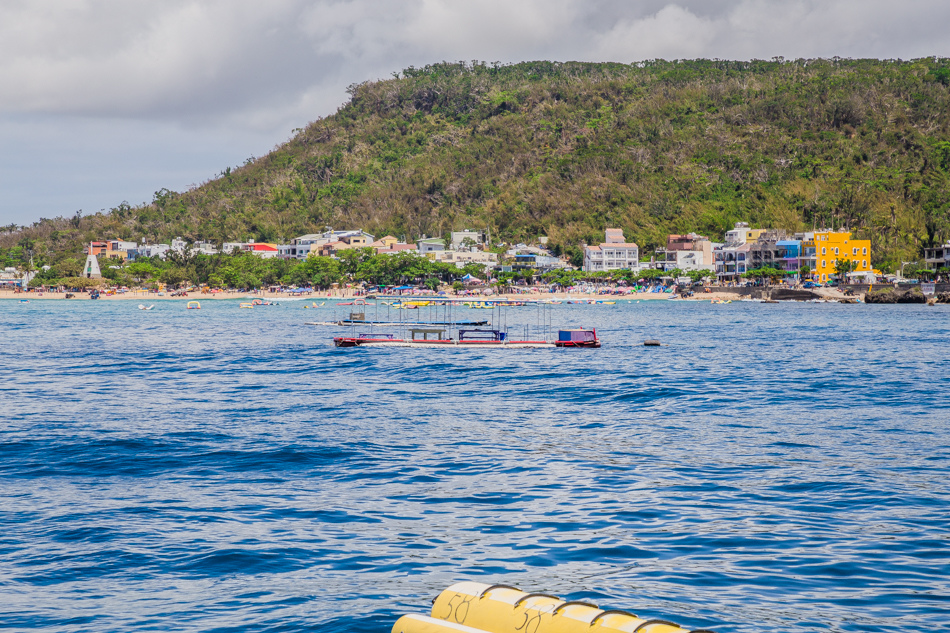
11	278
822	249
398	247
384	242
345	240
262	250
90	269
734	258
523	257
468	237
461	258
938	257
96	248
430	244
686	252
301	247
732	261
615	253
742	234
110	248
153	250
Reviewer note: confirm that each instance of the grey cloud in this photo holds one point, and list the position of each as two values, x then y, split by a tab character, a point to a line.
245	69
180	59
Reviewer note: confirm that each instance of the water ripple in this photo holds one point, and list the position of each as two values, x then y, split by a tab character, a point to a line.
232	471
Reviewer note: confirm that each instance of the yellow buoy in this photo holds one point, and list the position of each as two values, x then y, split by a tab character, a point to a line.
505	609
413	623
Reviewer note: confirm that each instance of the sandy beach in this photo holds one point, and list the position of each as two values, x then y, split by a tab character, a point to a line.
716	293
143	295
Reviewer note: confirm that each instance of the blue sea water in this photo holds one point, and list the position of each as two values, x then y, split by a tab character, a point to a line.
773	467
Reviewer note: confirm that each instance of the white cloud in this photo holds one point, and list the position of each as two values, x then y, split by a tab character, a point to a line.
241	69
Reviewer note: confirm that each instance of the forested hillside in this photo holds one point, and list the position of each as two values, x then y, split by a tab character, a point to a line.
566	149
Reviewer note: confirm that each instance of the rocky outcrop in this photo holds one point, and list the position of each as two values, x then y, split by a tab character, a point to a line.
783	294
943	297
914	295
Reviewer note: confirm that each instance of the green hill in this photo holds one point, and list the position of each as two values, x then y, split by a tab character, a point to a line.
566	149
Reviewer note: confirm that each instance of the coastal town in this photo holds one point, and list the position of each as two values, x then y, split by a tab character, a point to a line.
468	262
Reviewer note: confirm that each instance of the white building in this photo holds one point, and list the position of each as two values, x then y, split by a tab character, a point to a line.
11	278
301	247
938	257
91	268
154	250
430	244
686	252
461	258
732	261
477	238
615	253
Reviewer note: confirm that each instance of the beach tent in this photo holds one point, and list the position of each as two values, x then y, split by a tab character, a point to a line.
469	279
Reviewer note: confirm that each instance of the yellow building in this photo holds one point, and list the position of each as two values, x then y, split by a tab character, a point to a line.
826	247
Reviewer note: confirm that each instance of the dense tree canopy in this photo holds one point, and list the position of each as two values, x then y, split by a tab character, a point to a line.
566	149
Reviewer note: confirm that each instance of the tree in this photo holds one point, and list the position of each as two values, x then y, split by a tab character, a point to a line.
174	276
351	258
322	271
651	274
699	275
805	271
142	271
766	272
843	267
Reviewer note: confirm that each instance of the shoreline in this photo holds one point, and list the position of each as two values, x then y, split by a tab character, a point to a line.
723	294
324	295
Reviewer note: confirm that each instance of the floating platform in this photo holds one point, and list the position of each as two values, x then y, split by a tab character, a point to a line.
366	341
412	323
468	338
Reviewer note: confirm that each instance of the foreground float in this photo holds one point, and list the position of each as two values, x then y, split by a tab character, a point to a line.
472	607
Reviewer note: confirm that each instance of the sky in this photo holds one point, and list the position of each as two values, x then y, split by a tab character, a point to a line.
108	101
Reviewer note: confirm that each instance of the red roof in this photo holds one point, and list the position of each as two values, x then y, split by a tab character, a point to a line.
262	247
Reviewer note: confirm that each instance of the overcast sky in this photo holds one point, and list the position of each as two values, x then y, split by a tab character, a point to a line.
105	101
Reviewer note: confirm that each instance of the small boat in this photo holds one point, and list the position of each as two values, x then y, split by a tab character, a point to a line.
24	300
142	306
577	338
249	306
193	305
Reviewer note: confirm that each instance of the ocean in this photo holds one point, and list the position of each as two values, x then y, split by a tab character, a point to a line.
776	467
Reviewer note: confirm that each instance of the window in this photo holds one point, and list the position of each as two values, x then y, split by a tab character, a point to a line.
824	251
864	251
823	264
864	263
836	250
854	251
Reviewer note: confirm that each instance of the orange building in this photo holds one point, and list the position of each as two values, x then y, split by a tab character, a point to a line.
826	247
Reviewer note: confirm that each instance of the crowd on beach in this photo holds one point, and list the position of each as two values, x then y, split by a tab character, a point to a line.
583	290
